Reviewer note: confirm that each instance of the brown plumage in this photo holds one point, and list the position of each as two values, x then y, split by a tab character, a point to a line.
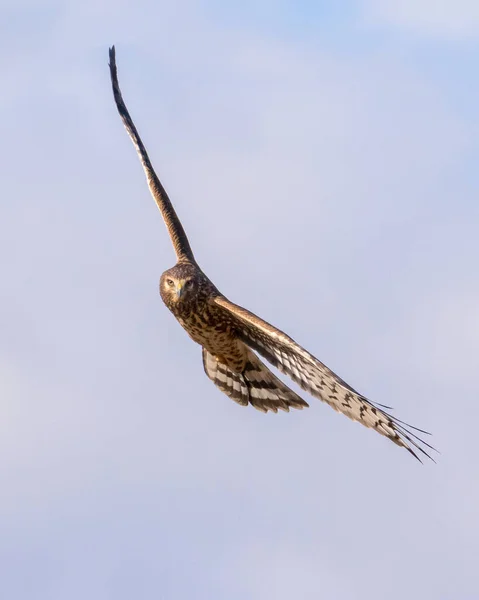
230	335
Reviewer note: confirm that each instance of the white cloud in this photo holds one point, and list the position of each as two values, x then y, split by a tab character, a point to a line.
457	20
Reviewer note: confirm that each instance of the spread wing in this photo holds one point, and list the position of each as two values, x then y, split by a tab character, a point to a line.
316	378
175	228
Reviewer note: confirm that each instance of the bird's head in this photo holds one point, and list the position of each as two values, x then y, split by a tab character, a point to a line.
180	285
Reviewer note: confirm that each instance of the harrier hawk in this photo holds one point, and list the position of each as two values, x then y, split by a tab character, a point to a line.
232	337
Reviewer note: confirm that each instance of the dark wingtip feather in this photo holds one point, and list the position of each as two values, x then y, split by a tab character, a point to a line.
407	438
111	54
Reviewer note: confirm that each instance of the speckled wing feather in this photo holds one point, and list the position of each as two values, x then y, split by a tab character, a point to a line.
256	385
317	379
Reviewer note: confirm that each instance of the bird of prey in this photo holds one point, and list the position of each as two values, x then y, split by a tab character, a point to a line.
231	337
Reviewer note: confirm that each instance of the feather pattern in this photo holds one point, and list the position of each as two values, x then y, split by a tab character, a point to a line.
255	385
316	378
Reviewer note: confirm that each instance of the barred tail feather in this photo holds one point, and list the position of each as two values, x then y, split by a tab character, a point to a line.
256	385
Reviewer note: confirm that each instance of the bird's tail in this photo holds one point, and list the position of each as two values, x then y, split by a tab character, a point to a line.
256	385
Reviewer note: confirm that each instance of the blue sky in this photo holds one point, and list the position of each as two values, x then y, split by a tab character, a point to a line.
324	163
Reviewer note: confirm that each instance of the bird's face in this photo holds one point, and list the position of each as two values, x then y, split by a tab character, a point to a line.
180	287
177	288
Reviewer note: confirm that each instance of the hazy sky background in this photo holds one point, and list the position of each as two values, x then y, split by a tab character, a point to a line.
323	157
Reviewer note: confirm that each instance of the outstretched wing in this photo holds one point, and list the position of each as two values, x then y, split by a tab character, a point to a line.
175	228
256	385
315	377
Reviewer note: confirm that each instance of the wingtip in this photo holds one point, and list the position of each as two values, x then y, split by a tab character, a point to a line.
417	457
111	53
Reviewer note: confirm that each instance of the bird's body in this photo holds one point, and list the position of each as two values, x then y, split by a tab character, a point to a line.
227	359
200	317
232	337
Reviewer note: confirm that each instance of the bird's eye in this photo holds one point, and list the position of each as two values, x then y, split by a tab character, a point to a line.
170	282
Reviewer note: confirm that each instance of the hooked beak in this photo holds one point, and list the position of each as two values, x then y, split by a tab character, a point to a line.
180	288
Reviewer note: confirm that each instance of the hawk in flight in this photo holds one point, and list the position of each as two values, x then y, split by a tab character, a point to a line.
232	337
